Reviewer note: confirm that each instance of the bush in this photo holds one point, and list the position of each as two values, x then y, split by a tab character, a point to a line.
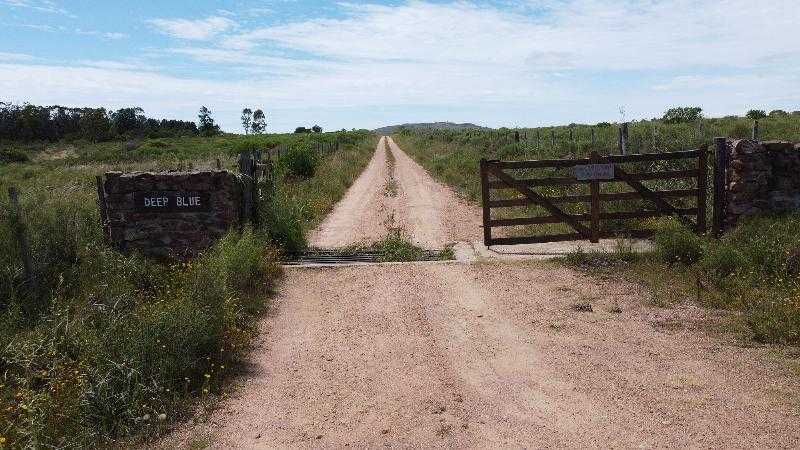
300	161
12	155
686	114
677	244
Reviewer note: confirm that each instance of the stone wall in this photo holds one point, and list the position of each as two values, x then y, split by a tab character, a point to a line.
170	214
762	178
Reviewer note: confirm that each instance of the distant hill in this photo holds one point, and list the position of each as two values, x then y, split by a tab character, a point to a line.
433	125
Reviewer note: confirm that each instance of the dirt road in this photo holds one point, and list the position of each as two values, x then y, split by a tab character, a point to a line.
430	213
490	354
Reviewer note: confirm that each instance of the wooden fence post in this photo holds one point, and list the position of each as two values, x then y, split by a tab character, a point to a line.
702	190
20	234
552	139
720	181
755	130
485	197
623	138
593	140
537	142
246	170
101	205
594	187
256	171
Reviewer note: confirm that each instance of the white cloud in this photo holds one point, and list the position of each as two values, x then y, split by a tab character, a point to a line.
578	34
46	6
103	34
202	29
115	65
8	57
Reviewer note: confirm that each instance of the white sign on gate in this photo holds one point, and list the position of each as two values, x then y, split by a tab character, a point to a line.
595	172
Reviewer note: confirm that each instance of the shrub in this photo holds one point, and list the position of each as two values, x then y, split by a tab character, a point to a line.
677	244
686	114
12	155
300	161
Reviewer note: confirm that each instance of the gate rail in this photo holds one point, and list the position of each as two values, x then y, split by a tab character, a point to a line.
494	177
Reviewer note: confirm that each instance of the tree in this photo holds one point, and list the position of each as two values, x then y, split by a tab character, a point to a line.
301	130
128	121
316	129
94	124
247	119
259	122
755	114
685	114
778	113
206	124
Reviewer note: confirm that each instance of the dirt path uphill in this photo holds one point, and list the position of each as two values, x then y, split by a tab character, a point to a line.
429	212
489	354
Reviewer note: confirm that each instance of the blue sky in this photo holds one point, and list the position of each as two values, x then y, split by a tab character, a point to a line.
364	65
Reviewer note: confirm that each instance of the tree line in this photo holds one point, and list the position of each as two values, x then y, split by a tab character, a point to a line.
28	122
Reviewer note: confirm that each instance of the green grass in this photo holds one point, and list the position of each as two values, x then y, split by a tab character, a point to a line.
103	344
396	246
745	271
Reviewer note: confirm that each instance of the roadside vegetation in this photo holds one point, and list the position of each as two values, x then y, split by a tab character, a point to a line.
754	270
108	349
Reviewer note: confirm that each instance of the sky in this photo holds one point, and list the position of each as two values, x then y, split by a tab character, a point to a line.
365	65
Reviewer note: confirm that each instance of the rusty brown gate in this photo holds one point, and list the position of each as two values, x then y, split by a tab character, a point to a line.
616	172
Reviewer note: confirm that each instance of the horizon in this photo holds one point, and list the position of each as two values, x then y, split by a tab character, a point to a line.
366	66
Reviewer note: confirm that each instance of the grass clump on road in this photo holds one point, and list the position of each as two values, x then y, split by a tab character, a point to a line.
397	247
